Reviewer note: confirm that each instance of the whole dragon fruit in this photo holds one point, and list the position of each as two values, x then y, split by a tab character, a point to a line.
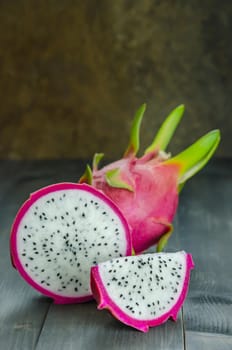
146	189
143	291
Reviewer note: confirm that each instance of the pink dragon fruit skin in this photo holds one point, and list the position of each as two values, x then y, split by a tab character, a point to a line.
151	206
16	257
104	300
146	189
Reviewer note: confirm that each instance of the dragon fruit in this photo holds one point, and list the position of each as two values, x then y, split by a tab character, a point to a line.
60	232
146	189
145	290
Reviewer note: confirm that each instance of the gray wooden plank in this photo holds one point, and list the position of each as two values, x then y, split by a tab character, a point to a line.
208	341
84	327
205	230
22	310
208	306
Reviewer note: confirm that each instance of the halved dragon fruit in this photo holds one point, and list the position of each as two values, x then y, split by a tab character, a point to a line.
146	189
60	232
143	291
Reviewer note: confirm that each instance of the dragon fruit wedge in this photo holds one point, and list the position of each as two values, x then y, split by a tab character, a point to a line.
145	290
60	232
146	189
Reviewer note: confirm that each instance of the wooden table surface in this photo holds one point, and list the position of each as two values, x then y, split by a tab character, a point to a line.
203	226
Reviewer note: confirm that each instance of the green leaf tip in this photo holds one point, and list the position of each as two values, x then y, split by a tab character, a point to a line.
164	239
114	179
96	160
87	177
166	131
195	157
133	146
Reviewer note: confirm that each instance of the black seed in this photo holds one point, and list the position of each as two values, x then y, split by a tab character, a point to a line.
83	215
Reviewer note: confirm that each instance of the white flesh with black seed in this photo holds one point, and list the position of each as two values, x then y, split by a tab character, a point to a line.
146	286
63	234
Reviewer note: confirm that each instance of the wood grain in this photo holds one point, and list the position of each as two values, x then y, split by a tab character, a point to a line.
208	341
206	217
203	227
84	327
22	310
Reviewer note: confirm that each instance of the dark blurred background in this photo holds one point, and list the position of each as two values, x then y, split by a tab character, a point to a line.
72	74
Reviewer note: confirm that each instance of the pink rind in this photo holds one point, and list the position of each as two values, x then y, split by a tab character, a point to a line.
105	302
59	299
